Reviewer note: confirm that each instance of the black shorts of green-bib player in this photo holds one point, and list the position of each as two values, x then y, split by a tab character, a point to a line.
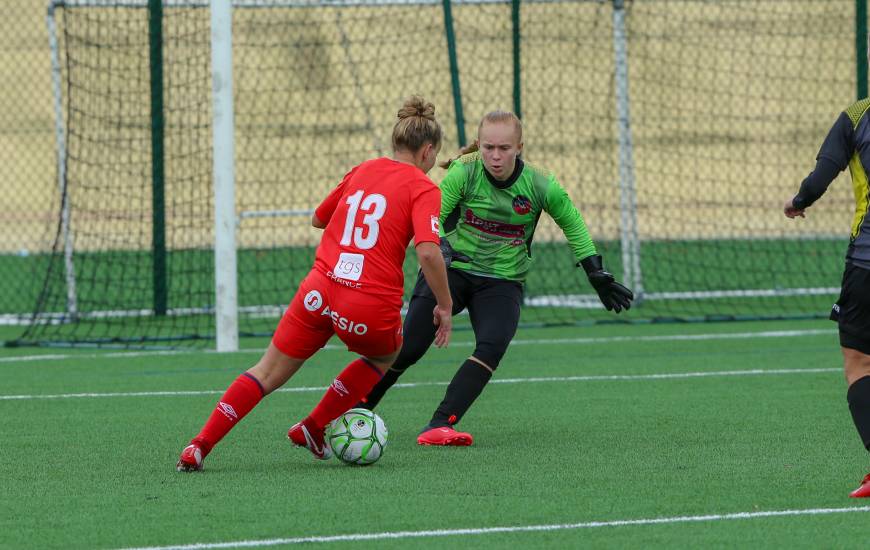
489	226
848	145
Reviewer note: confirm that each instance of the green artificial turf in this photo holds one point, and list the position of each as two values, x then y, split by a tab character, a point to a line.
600	424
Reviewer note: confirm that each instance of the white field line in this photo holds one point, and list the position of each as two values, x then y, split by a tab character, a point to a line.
584	378
516	342
508	529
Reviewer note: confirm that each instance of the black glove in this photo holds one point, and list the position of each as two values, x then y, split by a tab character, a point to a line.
612	294
451	255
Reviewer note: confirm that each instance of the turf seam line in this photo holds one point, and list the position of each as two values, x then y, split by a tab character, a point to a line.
580	378
508	529
516	342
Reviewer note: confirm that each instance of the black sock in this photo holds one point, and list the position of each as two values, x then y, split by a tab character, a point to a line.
858	397
374	396
466	385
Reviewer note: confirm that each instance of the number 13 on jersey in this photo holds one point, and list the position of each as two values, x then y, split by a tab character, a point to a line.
363	236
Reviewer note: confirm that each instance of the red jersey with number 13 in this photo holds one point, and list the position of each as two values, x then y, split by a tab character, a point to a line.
370	218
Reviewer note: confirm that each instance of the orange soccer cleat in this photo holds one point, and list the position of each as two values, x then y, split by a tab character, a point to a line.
444	436
311	439
190	460
864	490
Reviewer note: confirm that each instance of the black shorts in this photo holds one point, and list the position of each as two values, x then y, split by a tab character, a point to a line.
493	307
465	285
852	310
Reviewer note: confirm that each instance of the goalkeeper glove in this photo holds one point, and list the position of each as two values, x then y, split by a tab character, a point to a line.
612	294
451	255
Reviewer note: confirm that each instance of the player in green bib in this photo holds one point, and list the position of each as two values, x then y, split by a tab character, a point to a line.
491	202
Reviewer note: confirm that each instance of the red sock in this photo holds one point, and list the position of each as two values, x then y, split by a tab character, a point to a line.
242	396
351	385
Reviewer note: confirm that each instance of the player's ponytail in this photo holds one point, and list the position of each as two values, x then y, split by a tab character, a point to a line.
502	117
416	125
470	148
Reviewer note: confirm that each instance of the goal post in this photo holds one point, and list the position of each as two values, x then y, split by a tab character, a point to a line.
628	234
71	308
226	269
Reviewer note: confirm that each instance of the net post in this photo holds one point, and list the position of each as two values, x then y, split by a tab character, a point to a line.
629	240
861	47
454	72
515	32
158	166
226	274
60	143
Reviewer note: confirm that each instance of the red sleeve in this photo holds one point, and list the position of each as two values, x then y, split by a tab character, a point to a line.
330	203
426	210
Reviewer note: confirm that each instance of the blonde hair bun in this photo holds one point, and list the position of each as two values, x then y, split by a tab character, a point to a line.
417	106
416	125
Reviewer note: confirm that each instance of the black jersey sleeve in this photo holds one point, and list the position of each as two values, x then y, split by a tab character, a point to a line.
832	159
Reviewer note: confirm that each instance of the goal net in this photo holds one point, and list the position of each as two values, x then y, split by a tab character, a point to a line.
678	127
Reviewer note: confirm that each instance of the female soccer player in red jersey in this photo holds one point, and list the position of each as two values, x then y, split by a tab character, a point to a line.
354	289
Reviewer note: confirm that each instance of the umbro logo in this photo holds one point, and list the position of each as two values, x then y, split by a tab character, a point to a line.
339	388
228	410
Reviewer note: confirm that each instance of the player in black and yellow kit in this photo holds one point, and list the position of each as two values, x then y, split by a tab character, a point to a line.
848	144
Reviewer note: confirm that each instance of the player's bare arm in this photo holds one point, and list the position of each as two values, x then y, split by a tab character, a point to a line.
435	272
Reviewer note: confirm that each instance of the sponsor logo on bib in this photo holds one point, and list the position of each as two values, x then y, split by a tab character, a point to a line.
349	266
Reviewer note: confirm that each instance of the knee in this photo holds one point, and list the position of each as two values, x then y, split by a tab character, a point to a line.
274	369
489	354
381	363
410	352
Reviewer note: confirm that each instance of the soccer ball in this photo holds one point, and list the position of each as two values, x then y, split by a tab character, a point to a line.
357	437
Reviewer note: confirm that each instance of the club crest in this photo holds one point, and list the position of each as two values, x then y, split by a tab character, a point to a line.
522	205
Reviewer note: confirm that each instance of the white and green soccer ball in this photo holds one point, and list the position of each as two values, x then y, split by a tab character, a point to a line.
357	437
